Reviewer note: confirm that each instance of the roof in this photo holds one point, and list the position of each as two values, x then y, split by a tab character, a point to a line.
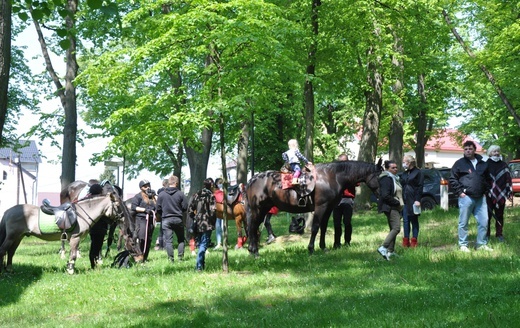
28	154
449	139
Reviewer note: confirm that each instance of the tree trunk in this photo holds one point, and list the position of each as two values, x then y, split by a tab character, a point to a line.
70	130
66	94
396	128
243	144
371	119
5	60
421	123
198	161
308	89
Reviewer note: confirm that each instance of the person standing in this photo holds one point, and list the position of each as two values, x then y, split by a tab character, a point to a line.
202	210
470	180
412	181
171	203
271	237
293	157
344	211
143	207
219	197
159	243
391	203
500	191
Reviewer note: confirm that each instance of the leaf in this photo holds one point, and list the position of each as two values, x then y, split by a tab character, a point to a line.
95	4
23	16
61	32
65	44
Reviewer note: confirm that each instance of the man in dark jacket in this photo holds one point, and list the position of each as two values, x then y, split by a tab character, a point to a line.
171	203
202	211
470	180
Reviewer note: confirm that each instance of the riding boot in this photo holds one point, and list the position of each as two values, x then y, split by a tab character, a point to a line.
414	242
406	242
192	246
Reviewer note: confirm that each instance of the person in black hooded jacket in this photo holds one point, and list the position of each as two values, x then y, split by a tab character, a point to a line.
470	179
171	204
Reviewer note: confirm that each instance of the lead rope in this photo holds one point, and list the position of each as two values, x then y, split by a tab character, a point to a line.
146	230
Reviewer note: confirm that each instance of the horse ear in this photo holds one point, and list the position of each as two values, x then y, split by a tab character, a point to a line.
380	162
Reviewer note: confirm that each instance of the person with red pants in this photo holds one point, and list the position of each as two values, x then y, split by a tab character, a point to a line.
499	192
267	224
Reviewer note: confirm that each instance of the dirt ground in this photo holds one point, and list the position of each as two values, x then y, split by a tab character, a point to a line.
515	202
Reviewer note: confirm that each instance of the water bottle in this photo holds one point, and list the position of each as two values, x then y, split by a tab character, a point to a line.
416	209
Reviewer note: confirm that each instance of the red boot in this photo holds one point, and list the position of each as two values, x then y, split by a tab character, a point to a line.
406	242
240	242
414	242
192	246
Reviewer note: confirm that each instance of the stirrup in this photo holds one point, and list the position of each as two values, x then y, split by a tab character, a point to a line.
302	202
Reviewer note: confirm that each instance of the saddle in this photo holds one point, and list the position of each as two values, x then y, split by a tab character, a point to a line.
233	194
65	214
307	183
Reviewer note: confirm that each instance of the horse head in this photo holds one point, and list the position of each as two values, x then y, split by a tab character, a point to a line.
372	180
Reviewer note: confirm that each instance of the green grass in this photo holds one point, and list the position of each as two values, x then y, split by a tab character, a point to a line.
433	285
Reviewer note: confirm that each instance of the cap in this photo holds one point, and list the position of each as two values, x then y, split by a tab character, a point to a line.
143	182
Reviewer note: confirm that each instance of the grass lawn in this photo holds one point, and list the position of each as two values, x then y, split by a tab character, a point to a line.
433	285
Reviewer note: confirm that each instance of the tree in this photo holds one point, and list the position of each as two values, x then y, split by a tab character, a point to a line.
5	60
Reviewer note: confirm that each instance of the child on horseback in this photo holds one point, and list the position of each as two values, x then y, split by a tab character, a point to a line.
293	157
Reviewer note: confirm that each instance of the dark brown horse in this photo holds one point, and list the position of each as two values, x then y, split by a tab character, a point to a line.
264	191
24	220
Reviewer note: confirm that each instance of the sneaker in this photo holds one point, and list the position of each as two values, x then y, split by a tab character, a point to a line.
219	246
484	248
384	253
270	239
464	249
501	239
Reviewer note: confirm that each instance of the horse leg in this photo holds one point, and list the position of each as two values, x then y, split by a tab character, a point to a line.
324	222
6	248
240	241
314	231
74	243
10	254
254	224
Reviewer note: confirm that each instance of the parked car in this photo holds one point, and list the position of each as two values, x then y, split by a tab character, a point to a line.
514	167
433	180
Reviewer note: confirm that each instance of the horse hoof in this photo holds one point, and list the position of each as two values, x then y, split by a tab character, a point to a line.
70	268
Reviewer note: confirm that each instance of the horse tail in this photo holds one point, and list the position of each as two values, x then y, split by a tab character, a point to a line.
3	230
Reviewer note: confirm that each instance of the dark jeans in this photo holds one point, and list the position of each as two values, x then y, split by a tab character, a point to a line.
203	239
414	221
342	212
169	228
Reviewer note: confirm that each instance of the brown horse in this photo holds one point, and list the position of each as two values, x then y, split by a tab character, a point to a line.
235	211
24	220
264	191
